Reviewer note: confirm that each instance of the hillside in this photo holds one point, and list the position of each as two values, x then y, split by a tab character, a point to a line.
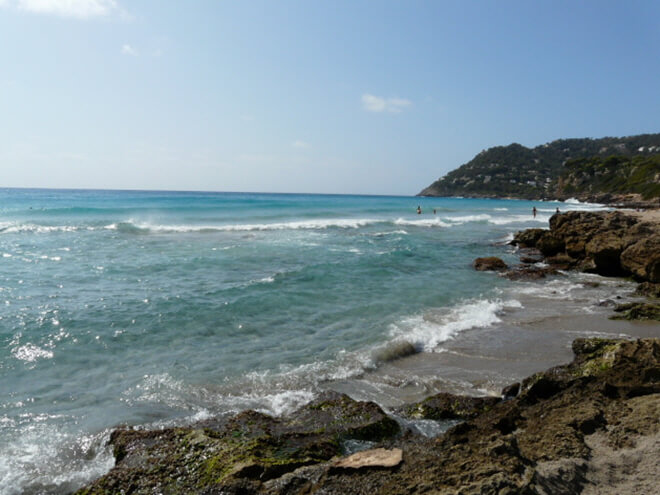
555	169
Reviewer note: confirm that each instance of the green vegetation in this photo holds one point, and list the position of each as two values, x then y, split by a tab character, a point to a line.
545	171
614	174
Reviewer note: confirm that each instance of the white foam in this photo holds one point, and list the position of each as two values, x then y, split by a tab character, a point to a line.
316	224
426	222
286	402
38	229
30	353
469	218
554	289
519	219
44	459
426	331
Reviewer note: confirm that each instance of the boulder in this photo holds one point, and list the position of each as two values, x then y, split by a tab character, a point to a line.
637	311
642	258
604	249
527	238
550	244
490	263
240	452
648	289
530	272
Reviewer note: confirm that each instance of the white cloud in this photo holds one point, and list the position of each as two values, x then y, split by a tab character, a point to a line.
127	49
373	103
80	9
300	144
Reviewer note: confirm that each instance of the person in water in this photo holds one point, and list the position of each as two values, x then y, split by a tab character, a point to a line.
419	210
534	211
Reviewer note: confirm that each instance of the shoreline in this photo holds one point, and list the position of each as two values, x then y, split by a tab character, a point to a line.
278	480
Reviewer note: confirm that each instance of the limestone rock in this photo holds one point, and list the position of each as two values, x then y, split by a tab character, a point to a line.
448	406
491	263
379	458
527	238
642	258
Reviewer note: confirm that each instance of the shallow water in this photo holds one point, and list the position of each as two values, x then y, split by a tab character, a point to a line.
157	308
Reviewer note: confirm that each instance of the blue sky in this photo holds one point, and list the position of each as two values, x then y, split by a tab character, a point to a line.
308	96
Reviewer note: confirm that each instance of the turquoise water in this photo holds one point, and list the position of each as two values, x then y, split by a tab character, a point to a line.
148	308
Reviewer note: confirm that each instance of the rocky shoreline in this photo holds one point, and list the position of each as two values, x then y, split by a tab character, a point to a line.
587	427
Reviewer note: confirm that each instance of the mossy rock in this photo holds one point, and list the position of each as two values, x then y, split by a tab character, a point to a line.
637	311
448	406
248	448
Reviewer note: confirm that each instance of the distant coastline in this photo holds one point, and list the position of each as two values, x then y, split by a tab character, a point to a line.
615	171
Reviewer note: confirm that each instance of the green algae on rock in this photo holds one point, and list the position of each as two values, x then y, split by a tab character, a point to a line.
244	450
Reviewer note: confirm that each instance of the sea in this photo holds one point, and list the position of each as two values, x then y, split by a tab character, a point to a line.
153	309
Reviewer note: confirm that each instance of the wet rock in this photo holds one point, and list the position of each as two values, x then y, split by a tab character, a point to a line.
448	406
550	438
510	391
221	454
530	272
637	311
527	238
648	289
491	263
561	261
531	259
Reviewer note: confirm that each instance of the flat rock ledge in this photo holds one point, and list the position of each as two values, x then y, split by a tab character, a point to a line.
374	458
590	426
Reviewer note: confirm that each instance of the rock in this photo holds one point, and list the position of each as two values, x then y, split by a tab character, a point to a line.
642	259
527	238
511	391
379	458
448	406
605	248
561	261
608	243
550	244
637	311
491	263
648	289
530	272
242	451
554	436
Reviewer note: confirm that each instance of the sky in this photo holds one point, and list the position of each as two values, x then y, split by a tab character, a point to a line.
347	97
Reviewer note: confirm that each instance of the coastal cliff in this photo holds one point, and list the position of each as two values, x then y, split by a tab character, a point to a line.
610	170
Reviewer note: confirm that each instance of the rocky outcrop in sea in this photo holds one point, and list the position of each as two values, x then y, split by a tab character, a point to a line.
607	243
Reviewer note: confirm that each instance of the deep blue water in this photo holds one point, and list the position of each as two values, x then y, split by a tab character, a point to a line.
146	308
